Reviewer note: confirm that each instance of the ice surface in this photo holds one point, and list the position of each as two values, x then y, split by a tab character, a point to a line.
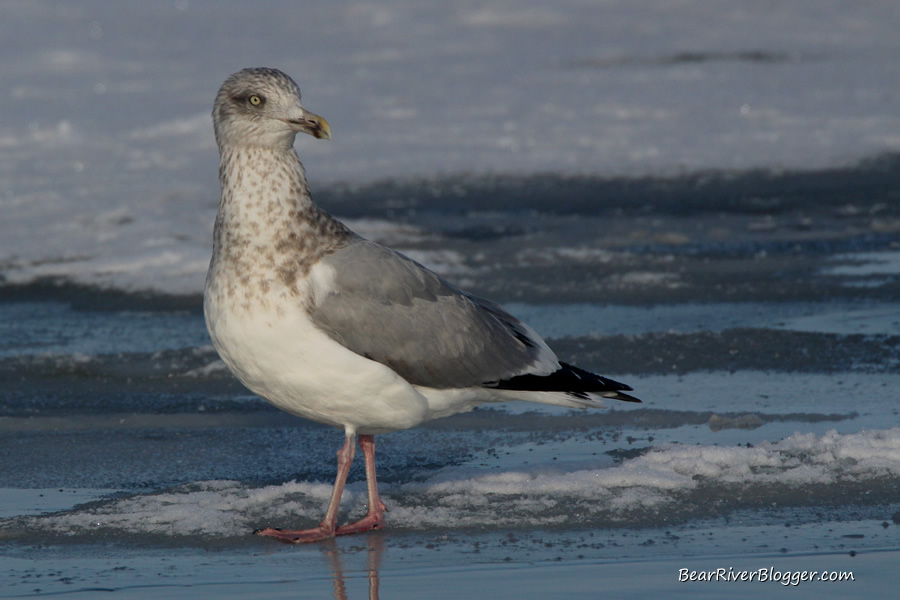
664	484
109	166
55	329
572	320
472	567
866	269
36	501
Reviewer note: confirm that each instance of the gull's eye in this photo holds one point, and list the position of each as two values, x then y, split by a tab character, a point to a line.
255	100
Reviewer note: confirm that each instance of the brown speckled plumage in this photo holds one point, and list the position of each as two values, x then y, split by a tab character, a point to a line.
268	232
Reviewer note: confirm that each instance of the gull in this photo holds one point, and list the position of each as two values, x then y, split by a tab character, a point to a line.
334	328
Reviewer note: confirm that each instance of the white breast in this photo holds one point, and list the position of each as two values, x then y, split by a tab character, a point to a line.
273	347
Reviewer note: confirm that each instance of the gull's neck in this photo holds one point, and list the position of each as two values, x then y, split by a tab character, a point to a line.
267	222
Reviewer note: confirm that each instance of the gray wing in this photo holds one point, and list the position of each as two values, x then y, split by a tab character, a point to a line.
391	309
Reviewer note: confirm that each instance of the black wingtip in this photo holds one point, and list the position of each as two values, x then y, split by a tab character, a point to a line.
571	380
616	395
627	398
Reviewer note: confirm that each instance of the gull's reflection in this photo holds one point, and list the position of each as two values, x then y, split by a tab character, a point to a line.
374	550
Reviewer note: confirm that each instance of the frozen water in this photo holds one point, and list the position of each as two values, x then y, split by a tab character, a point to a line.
665	484
107	147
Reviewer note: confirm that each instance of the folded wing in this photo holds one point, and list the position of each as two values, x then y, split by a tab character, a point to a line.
388	308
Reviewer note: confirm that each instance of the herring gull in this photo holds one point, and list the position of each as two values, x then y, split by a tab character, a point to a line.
332	327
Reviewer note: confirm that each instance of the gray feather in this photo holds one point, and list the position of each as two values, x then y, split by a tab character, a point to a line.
389	308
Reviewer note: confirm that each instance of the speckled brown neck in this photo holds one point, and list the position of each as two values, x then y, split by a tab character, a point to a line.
268	228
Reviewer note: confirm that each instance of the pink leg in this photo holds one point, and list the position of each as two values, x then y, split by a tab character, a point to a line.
374	519
327	528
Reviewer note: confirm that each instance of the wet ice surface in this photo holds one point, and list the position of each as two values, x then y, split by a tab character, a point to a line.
162	452
560	483
767	357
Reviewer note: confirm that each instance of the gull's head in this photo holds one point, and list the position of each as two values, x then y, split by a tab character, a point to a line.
261	107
